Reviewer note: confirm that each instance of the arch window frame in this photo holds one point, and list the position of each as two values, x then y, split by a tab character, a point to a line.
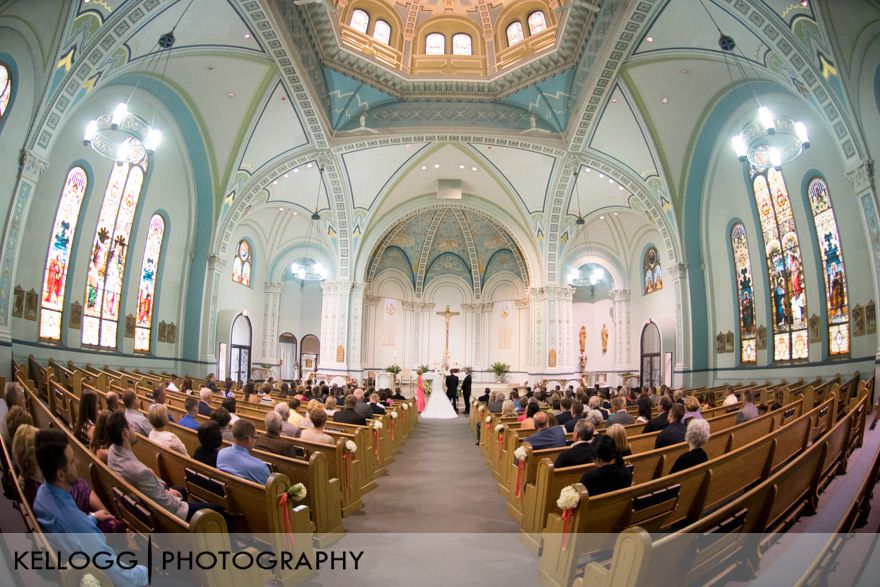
745	293
243	262
148	283
522	33
655	269
532	31
386	40
470	44
435	35
351	23
6	91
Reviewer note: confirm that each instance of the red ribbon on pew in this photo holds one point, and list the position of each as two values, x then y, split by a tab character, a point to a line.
288	528
487	426
346	458
376	443
500	441
519	471
392	429
567	514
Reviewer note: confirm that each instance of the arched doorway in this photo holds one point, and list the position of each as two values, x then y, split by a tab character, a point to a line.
310	355
287	354
650	363
240	349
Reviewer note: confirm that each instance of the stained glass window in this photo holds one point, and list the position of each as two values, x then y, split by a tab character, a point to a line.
55	278
147	288
360	20
514	33
744	293
382	32
461	44
537	23
241	265
652	271
109	252
435	44
5	89
832	267
788	294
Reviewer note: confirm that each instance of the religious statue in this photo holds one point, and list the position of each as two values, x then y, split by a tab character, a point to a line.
504	329
582	338
604	339
340	354
551	358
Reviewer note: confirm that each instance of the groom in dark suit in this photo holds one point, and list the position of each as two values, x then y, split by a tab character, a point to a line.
466	391
452	390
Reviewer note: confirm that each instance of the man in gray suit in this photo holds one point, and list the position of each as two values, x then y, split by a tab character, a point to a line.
749	410
620	415
123	462
135	418
362	407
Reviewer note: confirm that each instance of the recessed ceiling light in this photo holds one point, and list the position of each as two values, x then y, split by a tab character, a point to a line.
620	187
285	176
601	218
408	145
461	166
281	209
650	39
296	170
424	167
231	94
589	170
614	100
247	35
614	213
309	165
295	213
474	168
601	175
275	182
664	99
685	71
436	166
610	180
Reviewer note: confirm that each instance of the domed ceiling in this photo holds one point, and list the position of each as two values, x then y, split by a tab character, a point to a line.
447	240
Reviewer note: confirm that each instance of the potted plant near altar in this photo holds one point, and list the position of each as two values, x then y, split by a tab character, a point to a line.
500	369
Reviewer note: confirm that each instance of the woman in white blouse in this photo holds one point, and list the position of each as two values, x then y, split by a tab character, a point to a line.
158	417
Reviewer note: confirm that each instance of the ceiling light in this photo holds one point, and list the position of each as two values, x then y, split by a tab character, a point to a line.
295	213
275	182
309	165
685	71
231	94
473	168
247	35
424	167
281	209
285	176
664	99
650	39
620	187
601	176
461	166
589	170
610	180
614	213
601	218
614	100
436	166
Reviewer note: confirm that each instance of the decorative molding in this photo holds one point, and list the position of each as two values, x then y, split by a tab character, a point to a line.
31	166
861	176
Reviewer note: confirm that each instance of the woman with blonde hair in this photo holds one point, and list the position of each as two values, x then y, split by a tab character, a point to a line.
618	434
507	409
158	417
691	409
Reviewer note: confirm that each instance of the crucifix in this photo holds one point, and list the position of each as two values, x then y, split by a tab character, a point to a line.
447	314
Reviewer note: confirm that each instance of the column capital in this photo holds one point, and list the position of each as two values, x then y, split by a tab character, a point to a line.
678	271
407	305
861	176
620	295
215	263
31	165
371	299
522	304
273	288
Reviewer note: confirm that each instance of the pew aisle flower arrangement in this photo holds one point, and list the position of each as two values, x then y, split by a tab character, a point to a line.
350	446
499	428
520	455
567	502
405	407
297	492
377	425
393	415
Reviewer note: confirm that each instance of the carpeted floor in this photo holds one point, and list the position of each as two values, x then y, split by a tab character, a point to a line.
438	482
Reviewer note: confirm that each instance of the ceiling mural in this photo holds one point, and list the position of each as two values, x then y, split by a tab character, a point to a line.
448	264
502	260
395	258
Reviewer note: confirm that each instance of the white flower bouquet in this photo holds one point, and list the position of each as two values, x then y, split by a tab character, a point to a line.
377	425
350	446
568	498
521	453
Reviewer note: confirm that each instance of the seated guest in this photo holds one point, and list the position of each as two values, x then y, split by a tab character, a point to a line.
272	442
316	433
126	465
576	412
749	410
205	408
645	409
211	383
674	431
581	452
100	444
29	476
730	399
514	396
16	417
497	402
237	459
507	409
778	398
136	419
159	398
295	418
595	403
610	474
527	418
191	405
13	396
229	403
287	429
546	436
660	421
348	414
564	414
284	391
397	395
484	399
171	385
330	406
187	385
375	406
86	416
69	529
691	409
113	403
696	436
620	415
224	420
158	416
618	435
210	441
362	406
266	394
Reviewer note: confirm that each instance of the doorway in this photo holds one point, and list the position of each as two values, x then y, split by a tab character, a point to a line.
287	354
651	371
240	349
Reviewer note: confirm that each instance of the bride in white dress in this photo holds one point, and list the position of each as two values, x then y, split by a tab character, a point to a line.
438	406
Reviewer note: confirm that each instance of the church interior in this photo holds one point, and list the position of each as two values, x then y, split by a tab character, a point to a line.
539	195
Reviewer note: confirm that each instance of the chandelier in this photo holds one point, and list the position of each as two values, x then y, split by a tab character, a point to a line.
121	135
588	275
307	268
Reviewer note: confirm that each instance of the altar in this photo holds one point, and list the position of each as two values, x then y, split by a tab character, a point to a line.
385	380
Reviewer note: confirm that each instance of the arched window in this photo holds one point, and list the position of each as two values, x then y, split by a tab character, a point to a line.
537	23
63	231
461	44
360	20
241	265
745	295
514	33
832	267
147	288
382	32
652	272
109	252
788	293
435	44
5	89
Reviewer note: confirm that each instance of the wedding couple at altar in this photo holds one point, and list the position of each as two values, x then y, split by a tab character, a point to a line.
443	402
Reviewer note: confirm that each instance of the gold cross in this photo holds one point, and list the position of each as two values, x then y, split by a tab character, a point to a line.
447	314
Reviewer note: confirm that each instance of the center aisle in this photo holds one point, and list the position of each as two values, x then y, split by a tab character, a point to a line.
437	471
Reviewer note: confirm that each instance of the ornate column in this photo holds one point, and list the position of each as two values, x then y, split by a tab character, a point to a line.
334	326
368	335
355	358
216	265
423	328
682	359
620	298
30	169
410	318
271	305
523	332
552	323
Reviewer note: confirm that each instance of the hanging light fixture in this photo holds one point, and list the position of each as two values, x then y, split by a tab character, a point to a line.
121	135
588	275
770	139
307	267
